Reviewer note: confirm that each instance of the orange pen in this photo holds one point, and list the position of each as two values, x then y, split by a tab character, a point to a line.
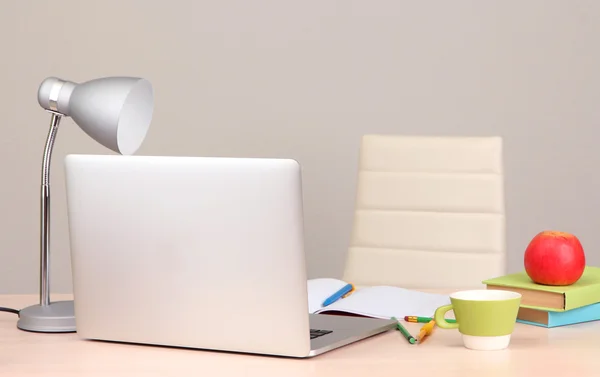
426	330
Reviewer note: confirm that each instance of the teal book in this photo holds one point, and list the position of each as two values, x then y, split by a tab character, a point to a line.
554	319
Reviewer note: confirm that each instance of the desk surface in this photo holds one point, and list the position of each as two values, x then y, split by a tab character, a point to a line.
534	351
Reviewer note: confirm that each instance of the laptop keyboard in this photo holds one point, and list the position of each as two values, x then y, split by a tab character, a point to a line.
317	333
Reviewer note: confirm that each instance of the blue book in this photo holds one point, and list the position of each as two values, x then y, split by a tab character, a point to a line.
554	319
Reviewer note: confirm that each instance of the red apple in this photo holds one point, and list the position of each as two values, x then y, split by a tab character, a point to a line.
554	258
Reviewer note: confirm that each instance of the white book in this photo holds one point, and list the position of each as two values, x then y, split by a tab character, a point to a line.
376	302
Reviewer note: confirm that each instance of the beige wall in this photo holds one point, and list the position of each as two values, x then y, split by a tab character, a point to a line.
305	79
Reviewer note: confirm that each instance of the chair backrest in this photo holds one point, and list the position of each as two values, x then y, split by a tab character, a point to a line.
429	212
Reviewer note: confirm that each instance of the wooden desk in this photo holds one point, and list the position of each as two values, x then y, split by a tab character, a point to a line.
534	352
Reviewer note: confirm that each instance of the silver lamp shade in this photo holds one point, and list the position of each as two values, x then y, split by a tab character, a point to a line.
114	111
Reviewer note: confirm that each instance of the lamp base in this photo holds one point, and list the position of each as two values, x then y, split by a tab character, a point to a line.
58	317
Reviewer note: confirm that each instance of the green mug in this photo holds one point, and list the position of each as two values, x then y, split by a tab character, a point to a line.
486	318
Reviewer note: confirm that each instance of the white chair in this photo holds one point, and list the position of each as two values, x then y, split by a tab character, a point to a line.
429	212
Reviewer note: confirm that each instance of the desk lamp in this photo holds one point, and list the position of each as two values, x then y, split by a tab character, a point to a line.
114	111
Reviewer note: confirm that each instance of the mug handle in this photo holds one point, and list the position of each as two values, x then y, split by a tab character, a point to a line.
439	317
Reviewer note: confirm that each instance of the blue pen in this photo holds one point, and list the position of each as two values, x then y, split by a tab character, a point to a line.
339	294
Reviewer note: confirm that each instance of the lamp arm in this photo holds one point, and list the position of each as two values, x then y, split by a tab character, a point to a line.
47	317
45	211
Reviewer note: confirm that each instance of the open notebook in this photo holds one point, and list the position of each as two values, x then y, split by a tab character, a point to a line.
377	302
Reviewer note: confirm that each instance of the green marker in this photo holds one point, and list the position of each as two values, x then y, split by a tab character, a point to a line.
404	332
424	319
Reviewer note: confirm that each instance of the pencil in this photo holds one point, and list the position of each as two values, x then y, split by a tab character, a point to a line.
411	318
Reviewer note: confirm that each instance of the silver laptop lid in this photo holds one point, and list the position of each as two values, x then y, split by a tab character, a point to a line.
189	251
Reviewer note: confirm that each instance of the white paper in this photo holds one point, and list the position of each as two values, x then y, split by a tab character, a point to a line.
320	290
386	302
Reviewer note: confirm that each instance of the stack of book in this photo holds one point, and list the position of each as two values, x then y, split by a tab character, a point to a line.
552	306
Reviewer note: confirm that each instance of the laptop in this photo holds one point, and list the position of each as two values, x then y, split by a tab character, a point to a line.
196	252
